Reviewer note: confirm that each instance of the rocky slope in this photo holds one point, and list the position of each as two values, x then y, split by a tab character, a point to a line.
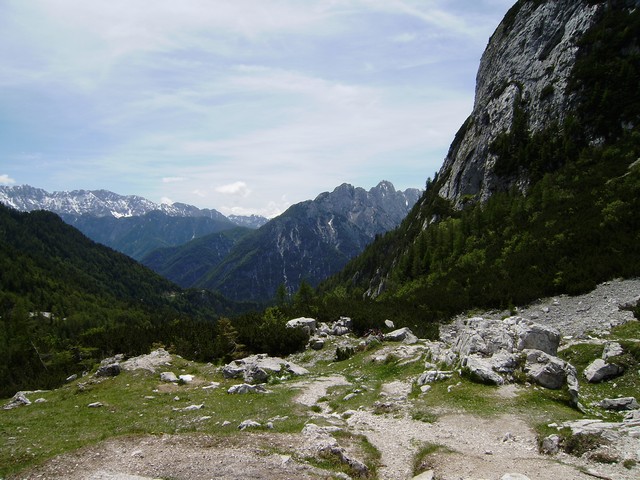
526	66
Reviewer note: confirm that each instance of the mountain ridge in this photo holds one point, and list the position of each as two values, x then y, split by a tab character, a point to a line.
307	243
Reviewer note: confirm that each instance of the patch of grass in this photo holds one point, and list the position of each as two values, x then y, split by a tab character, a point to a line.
629	463
316	408
423	415
625	331
421	462
581	354
133	403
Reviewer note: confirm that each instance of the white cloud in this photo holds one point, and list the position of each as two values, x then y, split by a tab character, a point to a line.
6	180
236	188
292	96
173	179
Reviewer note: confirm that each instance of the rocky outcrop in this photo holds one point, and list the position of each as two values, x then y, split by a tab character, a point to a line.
526	66
257	369
492	350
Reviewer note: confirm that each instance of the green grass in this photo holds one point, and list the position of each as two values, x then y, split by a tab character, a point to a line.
134	403
421	460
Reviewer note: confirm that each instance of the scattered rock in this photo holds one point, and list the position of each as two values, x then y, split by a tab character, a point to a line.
551	444
599	371
71	378
108	370
246	388
185	378
316	343
95	405
18	400
404	335
169	377
481	369
514	476
308	325
248	424
389	324
611	349
619	404
428	475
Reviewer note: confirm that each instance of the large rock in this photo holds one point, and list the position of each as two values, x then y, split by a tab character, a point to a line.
404	335
480	368
546	370
168	377
254	374
619	404
308	325
599	371
431	376
532	336
486	337
258	368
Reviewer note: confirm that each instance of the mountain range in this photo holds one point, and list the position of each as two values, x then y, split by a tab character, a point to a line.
128	223
205	249
308	242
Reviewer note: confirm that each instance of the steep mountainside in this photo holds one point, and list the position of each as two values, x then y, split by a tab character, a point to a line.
540	190
524	72
66	301
309	242
130	224
186	264
137	236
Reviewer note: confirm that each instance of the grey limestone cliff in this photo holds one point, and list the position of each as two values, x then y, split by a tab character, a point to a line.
526	65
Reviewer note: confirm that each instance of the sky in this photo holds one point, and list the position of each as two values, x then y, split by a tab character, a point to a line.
245	106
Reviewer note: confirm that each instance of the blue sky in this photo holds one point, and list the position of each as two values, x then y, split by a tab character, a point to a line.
245	106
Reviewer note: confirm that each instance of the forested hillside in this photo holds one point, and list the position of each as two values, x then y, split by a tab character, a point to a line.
66	302
573	222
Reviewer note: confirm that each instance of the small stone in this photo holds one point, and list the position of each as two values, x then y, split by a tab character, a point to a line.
248	424
226	423
349	396
514	476
95	405
551	444
426	388
186	378
168	377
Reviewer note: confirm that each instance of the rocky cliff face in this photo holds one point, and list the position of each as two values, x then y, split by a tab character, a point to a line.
310	241
525	66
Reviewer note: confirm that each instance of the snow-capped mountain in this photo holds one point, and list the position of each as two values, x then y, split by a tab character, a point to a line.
97	203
